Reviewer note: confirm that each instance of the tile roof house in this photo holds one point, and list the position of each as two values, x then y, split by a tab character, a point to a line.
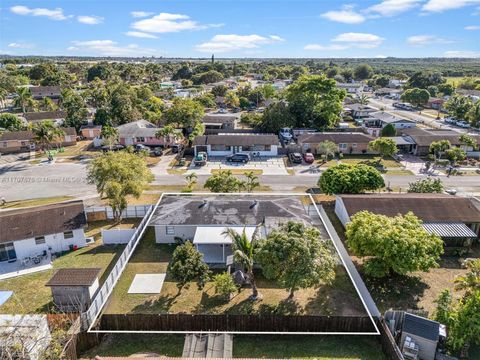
358	111
39	92
455	219
202	219
90	131
49	228
347	142
376	121
225	121
22	141
55	116
231	143
141	132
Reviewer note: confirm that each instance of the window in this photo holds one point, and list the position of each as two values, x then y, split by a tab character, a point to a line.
40	240
342	146
68	234
354	146
140	139
170	230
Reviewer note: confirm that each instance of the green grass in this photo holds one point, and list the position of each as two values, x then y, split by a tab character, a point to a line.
401	172
35	202
244	346
30	295
371	160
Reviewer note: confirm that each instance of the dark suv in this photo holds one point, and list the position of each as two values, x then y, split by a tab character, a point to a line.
295	158
243	158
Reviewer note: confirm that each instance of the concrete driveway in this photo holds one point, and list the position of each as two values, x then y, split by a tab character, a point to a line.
268	165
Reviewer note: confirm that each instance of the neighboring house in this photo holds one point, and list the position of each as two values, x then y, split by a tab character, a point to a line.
347	142
419	336
90	131
74	288
37	230
352	88
423	138
39	92
474	95
378	120
23	141
55	116
358	111
435	103
226	144
202	220
225	121
396	83
455	219
392	93
141	132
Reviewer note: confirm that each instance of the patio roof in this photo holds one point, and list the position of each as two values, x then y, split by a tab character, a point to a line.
449	229
213	234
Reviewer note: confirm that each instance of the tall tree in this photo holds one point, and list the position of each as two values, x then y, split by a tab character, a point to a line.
109	135
327	148
392	244
23	99
437	148
427	185
384	146
458	106
11	122
251	181
350	179
468	141
277	116
46	133
363	72
223	182
416	96
296	257
184	113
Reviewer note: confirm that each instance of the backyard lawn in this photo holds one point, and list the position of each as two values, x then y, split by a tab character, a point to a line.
244	346
30	295
35	202
338	298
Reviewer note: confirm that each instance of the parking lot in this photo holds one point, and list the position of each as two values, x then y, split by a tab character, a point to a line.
268	166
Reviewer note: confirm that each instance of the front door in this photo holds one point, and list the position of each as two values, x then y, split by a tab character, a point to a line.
237	149
7	252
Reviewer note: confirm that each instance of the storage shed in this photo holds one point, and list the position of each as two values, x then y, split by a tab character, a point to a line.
424	332
74	288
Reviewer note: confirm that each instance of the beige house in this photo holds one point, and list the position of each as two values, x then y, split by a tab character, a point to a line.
22	141
347	142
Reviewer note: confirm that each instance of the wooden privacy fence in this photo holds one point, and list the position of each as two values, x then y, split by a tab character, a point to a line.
389	346
235	323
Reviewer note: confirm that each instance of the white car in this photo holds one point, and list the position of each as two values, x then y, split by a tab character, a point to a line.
463	124
286	134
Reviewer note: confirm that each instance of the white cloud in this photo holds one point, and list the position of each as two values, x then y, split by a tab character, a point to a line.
20	45
393	7
422	40
461	54
360	40
472	27
443	5
231	42
140	34
54	14
319	47
90	20
347	15
110	48
167	23
140	14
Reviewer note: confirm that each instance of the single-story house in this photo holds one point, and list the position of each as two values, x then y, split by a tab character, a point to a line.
435	103
231	143
39	92
90	131
56	116
378	120
141	132
392	93
474	95
22	141
352	88
223	121
74	288
202	219
347	142
37	230
455	219
422	139
358	111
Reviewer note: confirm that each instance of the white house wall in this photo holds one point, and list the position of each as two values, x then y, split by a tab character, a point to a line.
93	288
273	151
341	212
182	231
117	236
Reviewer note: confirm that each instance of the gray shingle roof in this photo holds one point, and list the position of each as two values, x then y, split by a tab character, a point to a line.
45	115
388	118
339	137
140	128
237	139
74	277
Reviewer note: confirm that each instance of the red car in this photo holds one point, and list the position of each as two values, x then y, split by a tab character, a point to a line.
308	158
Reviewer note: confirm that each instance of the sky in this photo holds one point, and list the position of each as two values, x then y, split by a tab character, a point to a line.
241	28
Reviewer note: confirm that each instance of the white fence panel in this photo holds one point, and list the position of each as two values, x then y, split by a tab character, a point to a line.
117	236
131	212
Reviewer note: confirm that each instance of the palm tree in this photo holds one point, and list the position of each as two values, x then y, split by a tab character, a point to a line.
327	148
244	252
363	99
23	99
191	180
48	104
46	133
167	133
252	181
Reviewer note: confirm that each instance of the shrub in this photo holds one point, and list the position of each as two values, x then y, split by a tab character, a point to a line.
224	284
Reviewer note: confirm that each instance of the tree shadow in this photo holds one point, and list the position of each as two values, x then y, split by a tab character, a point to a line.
160	305
287	306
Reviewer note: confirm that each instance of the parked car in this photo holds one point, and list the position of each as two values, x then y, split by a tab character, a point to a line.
463	124
286	134
295	158
115	147
177	148
243	158
450	120
156	152
200	159
140	147
308	158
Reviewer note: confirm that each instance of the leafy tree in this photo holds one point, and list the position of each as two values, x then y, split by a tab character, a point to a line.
350	179
382	80
207	77
438	147
102	71
347	74
123	107
251	181
219	90
153	109
11	122
118	175
23	99
389	130
423	79
426	186
473	115
187	265
168	133
223	182
102	117
244	250
392	244
48	104
231	99
363	99
276	116
315	101
46	133
76	110
384	146
444	307
184	112
243	102
458	106
470	282
191	179
296	257
109	135
432	90
468	141
327	148
446	89
42	70
224	284
184	72
416	96
464	329
455	154
363	72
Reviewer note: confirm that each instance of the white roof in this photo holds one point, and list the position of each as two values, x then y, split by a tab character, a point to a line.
213	234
